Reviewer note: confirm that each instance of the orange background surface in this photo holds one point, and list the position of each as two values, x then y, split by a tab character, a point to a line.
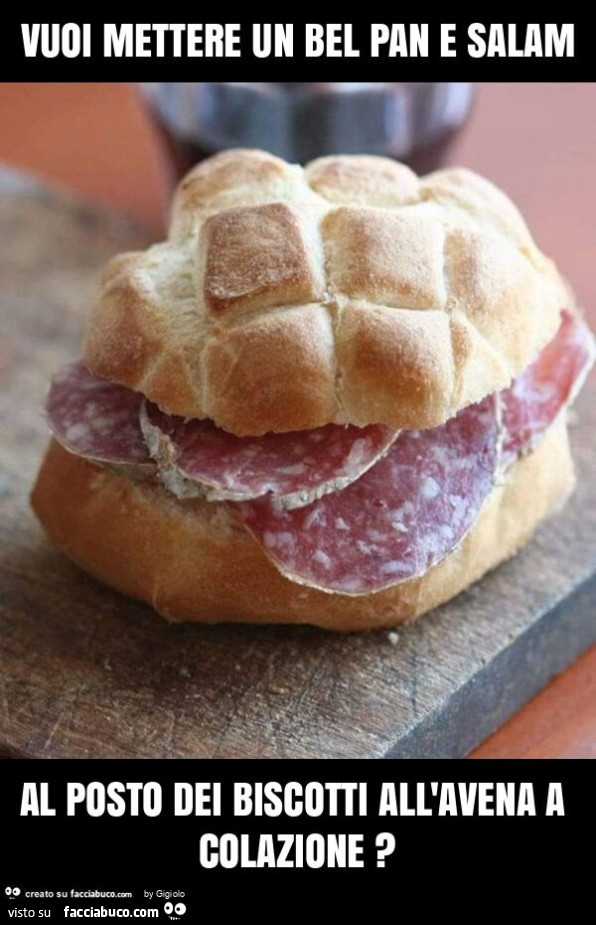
537	141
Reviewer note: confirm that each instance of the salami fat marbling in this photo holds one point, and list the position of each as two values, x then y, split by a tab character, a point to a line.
96	419
537	395
404	515
198	458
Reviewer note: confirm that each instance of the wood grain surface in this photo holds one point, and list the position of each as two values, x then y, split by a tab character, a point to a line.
86	672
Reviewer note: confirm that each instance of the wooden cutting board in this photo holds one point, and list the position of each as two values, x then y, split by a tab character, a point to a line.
86	672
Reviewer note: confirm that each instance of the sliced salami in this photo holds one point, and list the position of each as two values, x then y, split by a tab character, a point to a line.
399	519
198	458
537	395
97	419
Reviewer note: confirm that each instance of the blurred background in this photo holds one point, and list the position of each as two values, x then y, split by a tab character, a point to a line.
120	147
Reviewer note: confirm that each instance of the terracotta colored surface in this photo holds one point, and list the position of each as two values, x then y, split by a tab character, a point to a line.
537	141
92	137
559	723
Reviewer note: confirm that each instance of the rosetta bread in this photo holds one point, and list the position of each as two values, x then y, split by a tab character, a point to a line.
350	291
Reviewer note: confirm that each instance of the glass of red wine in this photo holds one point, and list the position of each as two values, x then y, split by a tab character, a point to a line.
412	122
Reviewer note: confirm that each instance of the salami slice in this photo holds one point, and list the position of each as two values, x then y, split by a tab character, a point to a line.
97	419
400	518
198	458
537	395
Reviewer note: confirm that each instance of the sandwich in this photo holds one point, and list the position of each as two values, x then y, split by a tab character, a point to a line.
334	395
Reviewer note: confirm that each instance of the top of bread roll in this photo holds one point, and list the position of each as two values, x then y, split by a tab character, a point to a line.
348	291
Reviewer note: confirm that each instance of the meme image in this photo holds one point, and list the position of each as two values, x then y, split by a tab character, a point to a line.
298	462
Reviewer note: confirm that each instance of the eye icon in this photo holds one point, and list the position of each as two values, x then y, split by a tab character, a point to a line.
168	908
179	908
174	911
13	891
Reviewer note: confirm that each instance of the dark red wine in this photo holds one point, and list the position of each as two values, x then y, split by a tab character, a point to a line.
414	123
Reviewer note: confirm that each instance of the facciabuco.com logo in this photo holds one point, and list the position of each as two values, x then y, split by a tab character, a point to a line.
98	894
103	912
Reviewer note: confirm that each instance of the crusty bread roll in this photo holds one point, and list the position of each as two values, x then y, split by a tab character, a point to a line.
350	291
224	363
191	561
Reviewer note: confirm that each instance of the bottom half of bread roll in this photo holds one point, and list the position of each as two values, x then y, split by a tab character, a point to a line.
192	561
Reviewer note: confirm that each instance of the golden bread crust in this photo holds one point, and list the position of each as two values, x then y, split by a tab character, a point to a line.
191	561
410	297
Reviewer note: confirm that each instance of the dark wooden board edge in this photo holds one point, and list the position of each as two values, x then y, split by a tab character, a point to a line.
533	659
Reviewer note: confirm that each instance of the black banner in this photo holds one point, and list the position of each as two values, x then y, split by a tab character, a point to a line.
154	835
370	51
